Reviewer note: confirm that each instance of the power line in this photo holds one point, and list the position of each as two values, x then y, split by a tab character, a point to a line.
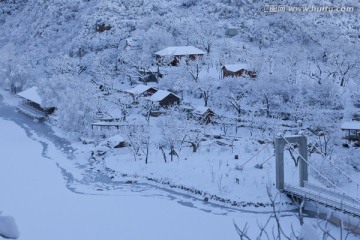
332	163
254	155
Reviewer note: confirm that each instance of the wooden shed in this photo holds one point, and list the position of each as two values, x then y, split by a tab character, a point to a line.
165	98
351	130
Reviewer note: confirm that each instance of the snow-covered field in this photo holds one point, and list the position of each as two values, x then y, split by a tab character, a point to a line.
52	196
34	192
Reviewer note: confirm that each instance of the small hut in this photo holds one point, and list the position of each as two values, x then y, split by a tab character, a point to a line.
141	90
165	98
352	130
33	105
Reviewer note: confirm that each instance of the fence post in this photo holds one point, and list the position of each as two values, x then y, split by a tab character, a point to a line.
279	152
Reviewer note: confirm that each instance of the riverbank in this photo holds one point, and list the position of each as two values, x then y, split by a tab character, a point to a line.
211	172
34	192
84	175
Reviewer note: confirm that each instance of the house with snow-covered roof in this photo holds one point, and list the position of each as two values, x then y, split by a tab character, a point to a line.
237	70
165	98
172	55
33	104
141	90
352	130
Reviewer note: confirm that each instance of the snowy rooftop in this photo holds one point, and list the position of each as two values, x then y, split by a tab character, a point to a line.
201	110
160	95
116	138
236	67
179	51
139	89
113	141
350	125
32	95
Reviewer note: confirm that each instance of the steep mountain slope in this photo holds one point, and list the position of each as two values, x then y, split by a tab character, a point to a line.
74	44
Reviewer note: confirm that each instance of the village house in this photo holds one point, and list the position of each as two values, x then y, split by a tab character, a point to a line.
32	104
237	70
172	55
165	98
141	90
351	130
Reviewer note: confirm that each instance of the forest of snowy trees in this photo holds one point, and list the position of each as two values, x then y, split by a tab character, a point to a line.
82	54
85	55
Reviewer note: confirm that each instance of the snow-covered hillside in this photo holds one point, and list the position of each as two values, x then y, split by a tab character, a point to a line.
86	42
86	55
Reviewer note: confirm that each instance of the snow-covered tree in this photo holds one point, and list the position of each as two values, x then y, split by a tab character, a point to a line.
171	131
345	68
14	70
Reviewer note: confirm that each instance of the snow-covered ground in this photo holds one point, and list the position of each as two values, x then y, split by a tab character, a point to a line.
47	187
34	191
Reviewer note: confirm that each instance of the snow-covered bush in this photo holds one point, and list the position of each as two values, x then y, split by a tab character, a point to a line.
14	71
8	227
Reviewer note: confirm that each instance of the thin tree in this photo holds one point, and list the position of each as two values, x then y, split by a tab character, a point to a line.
345	67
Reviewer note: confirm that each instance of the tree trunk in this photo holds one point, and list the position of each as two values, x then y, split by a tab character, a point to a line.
342	82
194	147
267	105
206	99
147	154
163	153
173	152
